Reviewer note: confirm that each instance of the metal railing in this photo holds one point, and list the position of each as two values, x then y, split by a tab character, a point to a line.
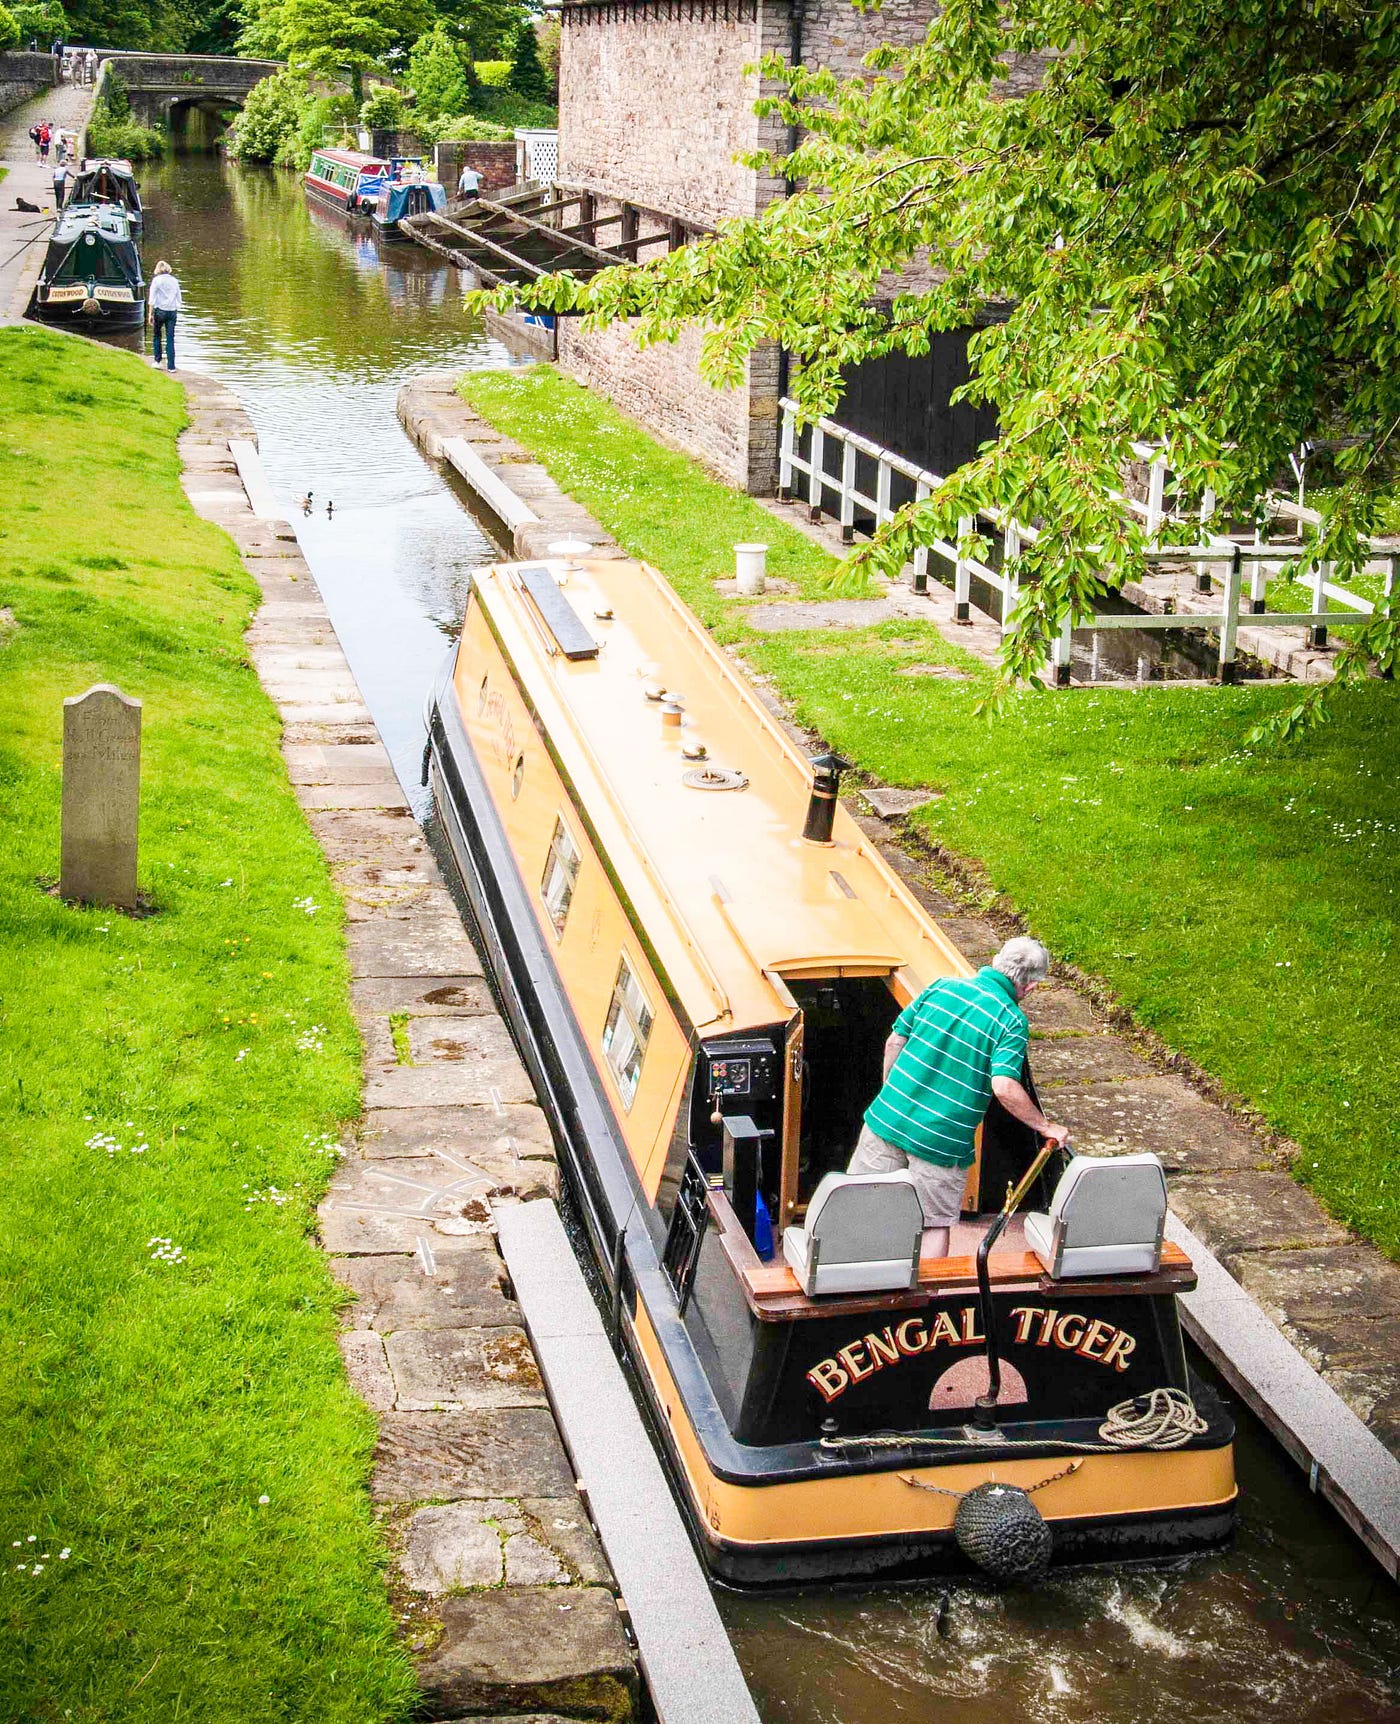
1215	556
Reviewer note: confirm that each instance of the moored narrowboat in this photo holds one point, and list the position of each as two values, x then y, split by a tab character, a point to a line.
347	179
92	268
106	180
702	956
401	198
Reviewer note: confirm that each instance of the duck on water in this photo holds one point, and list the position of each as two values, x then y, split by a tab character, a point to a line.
702	957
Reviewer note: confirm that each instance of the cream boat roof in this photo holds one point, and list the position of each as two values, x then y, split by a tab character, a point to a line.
730	895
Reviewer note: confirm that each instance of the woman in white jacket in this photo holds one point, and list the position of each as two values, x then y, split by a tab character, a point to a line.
166	303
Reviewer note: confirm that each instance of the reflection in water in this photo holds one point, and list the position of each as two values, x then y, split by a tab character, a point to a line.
315	327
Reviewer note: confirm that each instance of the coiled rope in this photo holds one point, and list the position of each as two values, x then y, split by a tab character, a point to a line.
1169	1420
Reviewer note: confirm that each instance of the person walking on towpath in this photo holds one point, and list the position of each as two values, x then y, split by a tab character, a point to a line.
961	1042
468	182
45	139
166	302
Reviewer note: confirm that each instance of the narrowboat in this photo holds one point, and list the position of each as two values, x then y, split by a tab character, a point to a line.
92	268
346	179
701	955
406	197
106	180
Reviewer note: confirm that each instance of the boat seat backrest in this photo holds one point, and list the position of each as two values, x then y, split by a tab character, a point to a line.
865	1217
1106	1218
1121	1200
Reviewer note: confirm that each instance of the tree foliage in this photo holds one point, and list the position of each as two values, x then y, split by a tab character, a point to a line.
42	23
9	29
1190	215
481	26
344	38
269	119
527	74
438	75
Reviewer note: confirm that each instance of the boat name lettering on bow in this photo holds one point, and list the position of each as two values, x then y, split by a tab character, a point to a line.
1033	1325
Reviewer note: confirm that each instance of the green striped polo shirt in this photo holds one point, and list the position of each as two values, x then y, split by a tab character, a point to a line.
961	1033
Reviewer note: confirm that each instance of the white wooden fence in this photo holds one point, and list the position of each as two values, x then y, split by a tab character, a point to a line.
1215	556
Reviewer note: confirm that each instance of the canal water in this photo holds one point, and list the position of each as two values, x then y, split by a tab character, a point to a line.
315	326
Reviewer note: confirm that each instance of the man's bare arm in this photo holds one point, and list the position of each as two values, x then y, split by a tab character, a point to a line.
1016	1099
894	1047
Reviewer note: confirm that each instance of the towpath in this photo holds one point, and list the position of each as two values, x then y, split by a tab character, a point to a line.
1301	1316
502	1591
23	235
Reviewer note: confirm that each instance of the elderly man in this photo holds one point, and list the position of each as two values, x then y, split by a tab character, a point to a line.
961	1042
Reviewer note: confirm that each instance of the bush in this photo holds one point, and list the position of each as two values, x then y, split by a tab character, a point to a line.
494	74
112	131
270	119
327	119
549	54
437	75
527	76
124	138
456	127
385	110
42	24
508	109
9	29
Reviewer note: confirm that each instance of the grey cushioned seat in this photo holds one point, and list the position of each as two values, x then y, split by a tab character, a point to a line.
861	1235
1106	1218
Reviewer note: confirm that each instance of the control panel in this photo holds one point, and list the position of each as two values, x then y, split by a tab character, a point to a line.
747	1070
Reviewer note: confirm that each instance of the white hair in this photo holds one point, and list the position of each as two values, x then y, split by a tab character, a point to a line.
1023	961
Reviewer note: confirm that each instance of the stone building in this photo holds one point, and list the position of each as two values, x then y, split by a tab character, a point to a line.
656	101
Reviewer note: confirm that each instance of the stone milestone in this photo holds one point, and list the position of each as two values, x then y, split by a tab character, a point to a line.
101	797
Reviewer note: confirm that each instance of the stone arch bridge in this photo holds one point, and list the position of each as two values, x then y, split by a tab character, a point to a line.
165	88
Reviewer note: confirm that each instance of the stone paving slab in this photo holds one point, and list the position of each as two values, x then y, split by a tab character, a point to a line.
441	1457
393	1293
464	1083
479	1542
412	948
546	1647
1161	1114
421	996
463	1370
1244	1211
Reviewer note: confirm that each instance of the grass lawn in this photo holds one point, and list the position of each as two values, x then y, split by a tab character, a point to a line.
1243	903
185	1520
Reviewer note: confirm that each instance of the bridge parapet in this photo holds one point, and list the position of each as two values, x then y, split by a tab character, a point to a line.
159	83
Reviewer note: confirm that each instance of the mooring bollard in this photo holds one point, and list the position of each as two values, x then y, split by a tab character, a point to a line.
750	569
101	797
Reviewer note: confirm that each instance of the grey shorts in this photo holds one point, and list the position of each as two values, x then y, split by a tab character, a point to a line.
940	1188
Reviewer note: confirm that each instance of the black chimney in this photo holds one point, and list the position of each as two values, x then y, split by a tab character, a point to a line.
821	807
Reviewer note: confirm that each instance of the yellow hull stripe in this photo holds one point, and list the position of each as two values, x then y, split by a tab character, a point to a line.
881	1505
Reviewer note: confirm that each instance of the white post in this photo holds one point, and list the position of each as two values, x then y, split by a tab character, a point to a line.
1207	512
750	567
921	491
1322	573
786	449
962	575
1258	578
1229	665
1156	487
1061	649
1010	581
848	488
882	492
815	477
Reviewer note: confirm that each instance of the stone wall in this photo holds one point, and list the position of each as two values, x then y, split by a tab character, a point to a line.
653	110
23	76
495	162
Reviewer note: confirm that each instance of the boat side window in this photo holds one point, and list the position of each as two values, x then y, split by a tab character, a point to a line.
626	1031
560	876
